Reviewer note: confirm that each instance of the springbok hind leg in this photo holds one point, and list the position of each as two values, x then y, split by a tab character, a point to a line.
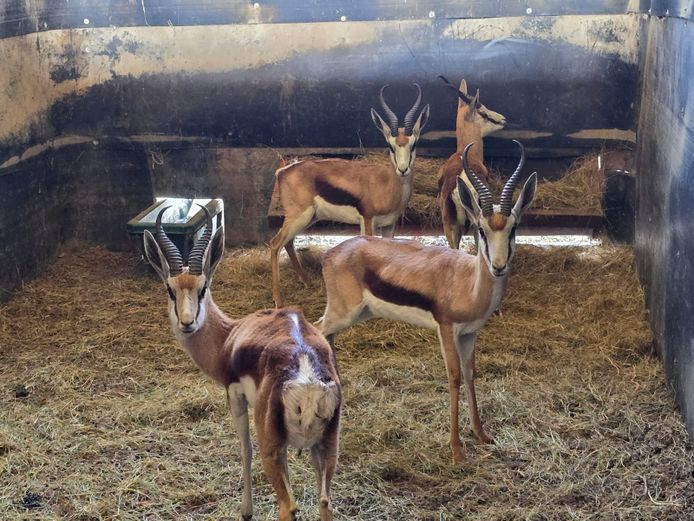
466	350
296	262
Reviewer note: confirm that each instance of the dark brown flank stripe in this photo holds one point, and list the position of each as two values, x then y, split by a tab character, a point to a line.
337	196
244	361
396	294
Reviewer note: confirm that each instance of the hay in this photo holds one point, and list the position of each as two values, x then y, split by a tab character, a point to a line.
579	189
119	424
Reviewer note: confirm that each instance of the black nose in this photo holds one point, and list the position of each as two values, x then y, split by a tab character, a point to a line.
186	324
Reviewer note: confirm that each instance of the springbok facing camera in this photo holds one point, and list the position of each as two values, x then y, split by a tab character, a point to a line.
434	287
353	192
273	360
473	122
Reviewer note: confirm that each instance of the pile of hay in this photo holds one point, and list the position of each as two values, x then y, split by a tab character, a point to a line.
101	417
579	189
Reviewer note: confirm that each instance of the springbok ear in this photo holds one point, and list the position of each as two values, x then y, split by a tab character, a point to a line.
468	196
421	121
155	256
526	196
214	253
472	107
463	87
380	124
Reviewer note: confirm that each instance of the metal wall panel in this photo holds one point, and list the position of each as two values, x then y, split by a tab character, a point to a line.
665	211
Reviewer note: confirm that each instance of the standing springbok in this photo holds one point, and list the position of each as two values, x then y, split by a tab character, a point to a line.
354	192
473	122
434	287
273	360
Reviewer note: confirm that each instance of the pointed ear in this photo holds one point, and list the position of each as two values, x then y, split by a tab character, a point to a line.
468	196
380	124
214	253
472	107
155	256
421	121
526	196
463	87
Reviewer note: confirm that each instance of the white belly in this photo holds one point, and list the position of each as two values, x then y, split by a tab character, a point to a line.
409	314
333	212
244	387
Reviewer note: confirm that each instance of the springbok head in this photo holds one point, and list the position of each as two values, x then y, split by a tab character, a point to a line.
402	141
186	285
496	223
472	111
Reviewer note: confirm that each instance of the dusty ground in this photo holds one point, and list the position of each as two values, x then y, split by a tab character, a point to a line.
102	418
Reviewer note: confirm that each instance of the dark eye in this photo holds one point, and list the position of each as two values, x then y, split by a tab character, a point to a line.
202	293
414	146
482	236
513	232
172	295
392	148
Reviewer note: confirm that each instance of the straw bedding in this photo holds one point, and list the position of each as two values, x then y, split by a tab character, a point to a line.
102	418
579	189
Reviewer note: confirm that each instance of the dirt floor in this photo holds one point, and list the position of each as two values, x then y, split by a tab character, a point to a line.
101	417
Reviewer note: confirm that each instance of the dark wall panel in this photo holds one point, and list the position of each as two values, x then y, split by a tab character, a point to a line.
665	213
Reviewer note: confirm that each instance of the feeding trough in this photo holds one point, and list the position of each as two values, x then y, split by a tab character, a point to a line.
182	222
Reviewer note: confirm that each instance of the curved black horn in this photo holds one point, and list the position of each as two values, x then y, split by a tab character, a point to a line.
173	256
482	189
467	99
197	254
412	113
392	118
507	193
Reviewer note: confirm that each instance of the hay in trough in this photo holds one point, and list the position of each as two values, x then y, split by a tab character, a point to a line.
102	418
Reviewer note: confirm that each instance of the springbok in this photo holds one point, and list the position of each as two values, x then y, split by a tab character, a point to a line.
474	121
440	288
273	360
353	192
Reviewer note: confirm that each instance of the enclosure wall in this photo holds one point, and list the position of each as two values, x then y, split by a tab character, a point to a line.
104	105
665	157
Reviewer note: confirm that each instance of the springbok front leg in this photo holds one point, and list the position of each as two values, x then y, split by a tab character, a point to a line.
465	345
239	411
450	356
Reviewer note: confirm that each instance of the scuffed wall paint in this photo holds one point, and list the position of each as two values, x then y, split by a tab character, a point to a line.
603	34
40	69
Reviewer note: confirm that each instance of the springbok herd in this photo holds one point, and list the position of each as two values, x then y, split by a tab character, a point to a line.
285	367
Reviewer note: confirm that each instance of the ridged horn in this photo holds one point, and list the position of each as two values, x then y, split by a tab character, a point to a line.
506	201
412	113
486	204
467	99
197	254
392	118
173	256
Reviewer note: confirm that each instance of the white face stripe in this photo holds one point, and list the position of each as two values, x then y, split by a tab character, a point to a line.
402	156
498	246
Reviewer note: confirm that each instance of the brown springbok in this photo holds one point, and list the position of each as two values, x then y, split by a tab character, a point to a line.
272	360
434	287
473	122
354	192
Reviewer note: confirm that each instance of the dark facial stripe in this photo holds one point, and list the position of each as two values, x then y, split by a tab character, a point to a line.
337	196
396	294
